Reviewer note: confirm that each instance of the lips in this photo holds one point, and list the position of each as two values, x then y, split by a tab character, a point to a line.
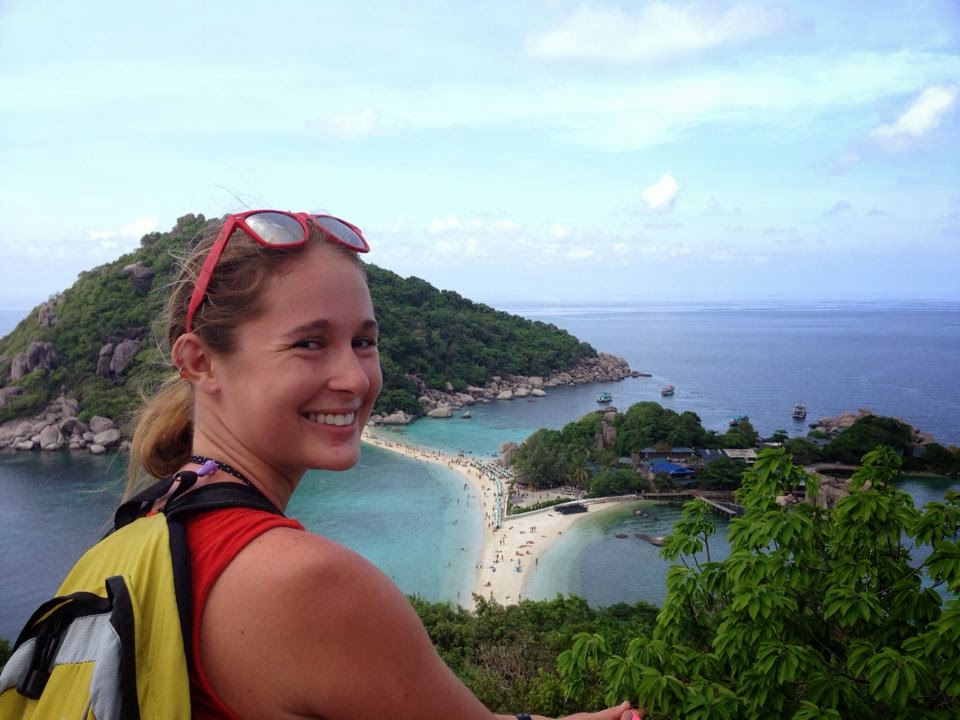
335	419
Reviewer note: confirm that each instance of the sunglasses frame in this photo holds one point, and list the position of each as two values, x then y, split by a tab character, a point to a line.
239	220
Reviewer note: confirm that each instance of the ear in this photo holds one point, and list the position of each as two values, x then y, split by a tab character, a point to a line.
195	362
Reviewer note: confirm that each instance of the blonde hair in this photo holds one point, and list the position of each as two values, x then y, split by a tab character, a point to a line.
163	437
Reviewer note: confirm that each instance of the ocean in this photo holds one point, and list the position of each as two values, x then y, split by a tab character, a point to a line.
418	523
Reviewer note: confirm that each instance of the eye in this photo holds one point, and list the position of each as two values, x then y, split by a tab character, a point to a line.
365	342
309	344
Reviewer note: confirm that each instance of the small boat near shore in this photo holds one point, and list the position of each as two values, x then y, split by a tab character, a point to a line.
465	414
736	420
604	398
667	391
799	411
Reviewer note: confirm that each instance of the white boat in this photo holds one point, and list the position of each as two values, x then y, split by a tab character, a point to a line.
667	390
799	411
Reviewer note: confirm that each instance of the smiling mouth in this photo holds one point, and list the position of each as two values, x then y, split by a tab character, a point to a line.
329	419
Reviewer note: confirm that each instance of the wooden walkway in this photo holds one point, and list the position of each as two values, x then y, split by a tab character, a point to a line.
729	509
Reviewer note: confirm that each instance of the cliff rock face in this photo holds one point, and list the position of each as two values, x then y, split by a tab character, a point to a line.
9	392
47	312
141	277
114	359
37	355
607	437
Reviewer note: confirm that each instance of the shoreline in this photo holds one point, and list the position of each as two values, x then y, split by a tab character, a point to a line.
510	552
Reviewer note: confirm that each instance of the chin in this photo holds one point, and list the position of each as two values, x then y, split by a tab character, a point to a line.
341	462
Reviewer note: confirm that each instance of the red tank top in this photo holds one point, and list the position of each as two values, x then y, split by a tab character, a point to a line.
215	539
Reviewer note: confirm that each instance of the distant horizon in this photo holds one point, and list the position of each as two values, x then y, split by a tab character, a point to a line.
15	305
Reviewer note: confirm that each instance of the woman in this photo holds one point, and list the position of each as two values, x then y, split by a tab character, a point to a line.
272	329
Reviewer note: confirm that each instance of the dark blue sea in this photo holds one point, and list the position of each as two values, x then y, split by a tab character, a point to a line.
418	523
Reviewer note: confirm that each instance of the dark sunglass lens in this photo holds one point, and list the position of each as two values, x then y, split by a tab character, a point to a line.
276	228
342	232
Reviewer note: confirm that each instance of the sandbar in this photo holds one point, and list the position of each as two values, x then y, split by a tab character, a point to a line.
509	552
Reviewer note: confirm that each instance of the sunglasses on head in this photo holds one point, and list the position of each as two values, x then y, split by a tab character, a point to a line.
272	229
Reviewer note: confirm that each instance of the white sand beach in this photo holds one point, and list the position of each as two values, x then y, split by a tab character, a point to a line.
508	553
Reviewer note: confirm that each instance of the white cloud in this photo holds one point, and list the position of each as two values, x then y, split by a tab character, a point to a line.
839	207
581	253
459	249
505	227
131	231
476	226
559	232
924	114
655	32
662	195
350	126
620	248
443	225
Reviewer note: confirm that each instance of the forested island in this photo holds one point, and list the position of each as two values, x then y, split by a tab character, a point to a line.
89	353
652	448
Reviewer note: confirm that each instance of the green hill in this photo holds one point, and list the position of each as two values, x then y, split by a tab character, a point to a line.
95	342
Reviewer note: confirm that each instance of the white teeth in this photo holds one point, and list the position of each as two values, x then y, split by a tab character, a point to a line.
338	420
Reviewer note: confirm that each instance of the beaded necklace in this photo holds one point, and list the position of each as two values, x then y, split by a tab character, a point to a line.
208	466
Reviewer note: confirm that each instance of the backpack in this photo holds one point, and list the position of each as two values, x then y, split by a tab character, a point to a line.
111	645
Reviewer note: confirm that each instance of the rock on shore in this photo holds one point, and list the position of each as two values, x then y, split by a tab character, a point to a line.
442	403
58	428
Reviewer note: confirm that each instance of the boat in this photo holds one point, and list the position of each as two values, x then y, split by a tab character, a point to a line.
465	414
667	390
737	419
799	411
604	398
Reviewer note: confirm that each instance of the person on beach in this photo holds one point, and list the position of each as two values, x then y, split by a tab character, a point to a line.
271	328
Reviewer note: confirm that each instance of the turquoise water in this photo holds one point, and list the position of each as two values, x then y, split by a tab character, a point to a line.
591	561
418	524
415	521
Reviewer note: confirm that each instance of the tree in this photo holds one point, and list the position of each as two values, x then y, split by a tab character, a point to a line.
804	451
869	433
742	435
814	614
941	460
779	437
541	461
721	474
615	482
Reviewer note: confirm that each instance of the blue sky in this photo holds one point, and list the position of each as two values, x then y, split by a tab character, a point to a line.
509	151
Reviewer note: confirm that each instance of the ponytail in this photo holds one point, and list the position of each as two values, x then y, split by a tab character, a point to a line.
163	439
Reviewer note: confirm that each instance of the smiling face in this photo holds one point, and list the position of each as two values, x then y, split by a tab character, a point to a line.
298	390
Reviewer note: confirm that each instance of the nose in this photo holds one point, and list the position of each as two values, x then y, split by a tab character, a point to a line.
349	373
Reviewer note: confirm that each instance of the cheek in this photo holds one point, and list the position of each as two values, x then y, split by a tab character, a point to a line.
375	375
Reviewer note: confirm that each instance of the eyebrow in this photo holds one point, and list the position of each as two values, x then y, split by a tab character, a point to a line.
324	325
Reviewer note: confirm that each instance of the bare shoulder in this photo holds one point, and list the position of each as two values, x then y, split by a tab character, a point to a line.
300	625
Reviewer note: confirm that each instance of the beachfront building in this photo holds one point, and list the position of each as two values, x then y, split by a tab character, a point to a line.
747	456
677	454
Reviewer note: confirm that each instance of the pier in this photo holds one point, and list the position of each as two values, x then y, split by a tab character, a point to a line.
727	508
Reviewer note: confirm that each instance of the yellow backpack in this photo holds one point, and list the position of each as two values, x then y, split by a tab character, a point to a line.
110	646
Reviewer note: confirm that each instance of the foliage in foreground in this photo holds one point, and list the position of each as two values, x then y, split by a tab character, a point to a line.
815	613
508	655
